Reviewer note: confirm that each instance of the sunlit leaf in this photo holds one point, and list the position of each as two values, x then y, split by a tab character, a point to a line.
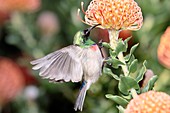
108	71
107	45
126	84
126	41
150	84
117	99
115	62
133	66
141	73
121	47
127	57
121	109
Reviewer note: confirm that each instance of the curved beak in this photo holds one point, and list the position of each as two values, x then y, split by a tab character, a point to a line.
87	31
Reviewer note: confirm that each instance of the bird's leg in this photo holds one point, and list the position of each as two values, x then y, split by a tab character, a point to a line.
100	45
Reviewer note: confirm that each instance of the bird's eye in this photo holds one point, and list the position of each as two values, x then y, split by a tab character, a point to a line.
86	33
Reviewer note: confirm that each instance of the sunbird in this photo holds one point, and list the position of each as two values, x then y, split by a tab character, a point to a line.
82	61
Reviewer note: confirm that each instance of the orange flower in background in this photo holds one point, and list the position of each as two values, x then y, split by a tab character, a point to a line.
163	51
19	5
11	80
149	102
114	14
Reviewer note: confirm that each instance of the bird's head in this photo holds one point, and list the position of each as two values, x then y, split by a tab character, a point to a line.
81	37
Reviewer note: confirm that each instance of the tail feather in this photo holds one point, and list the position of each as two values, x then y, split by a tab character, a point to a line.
80	99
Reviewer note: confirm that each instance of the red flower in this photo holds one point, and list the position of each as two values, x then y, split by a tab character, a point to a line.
11	80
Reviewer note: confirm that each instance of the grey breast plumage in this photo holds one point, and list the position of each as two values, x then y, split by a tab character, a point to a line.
92	64
62	65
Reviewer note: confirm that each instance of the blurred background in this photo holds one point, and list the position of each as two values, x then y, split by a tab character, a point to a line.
30	29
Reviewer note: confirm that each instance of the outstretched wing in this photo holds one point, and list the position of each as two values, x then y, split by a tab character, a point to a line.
62	65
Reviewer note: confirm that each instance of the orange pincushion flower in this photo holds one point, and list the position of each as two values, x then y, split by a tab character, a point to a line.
114	14
149	102
19	5
163	51
11	80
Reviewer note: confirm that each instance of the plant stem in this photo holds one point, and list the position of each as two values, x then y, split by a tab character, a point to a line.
133	92
113	36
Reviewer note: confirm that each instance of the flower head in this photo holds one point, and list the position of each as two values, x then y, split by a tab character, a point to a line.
163	51
48	23
114	14
149	102
11	80
19	5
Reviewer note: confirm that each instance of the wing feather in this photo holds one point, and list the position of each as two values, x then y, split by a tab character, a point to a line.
61	65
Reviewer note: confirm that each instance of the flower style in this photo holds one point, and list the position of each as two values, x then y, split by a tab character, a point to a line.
19	5
163	51
114	14
149	102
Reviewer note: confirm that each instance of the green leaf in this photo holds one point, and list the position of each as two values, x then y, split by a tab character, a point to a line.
132	58
133	66
126	84
112	53
127	57
108	71
141	72
126	41
121	47
115	62
121	109
117	99
107	45
150	84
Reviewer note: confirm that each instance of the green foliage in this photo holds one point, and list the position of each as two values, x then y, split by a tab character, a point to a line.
115	62
107	45
121	46
150	84
118	99
126	84
141	72
127	57
121	109
133	66
108	71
